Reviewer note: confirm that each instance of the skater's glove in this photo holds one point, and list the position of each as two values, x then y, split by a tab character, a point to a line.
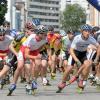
78	63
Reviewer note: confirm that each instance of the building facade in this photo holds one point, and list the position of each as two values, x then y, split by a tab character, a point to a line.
17	14
94	16
47	11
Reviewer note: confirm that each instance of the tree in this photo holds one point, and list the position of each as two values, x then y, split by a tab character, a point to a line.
73	17
3	10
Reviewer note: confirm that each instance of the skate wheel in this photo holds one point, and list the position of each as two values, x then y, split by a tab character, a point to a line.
58	91
30	92
53	78
9	94
79	90
1	86
98	87
45	87
34	92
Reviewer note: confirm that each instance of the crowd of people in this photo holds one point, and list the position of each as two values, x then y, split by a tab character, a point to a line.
39	49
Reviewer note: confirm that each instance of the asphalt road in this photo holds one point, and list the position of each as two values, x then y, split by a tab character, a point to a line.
49	93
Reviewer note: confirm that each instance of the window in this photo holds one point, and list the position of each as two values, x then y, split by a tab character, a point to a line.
42	13
46	1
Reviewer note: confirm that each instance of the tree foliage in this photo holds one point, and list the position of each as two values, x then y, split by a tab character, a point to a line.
73	16
3	10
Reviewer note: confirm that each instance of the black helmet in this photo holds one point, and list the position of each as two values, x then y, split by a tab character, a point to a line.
40	29
2	31
95	29
70	32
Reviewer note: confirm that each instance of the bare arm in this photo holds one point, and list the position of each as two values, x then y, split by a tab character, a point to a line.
11	47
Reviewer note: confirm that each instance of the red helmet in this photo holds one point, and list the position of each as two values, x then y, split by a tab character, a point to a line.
29	25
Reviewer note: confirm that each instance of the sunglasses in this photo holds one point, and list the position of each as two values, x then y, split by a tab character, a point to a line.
6	26
2	34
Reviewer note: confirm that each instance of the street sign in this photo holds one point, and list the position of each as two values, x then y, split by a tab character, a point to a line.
95	4
36	21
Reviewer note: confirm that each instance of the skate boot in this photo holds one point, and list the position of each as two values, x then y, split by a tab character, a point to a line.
53	75
93	83
80	87
2	83
46	82
98	84
7	79
11	89
60	87
34	87
28	89
91	78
